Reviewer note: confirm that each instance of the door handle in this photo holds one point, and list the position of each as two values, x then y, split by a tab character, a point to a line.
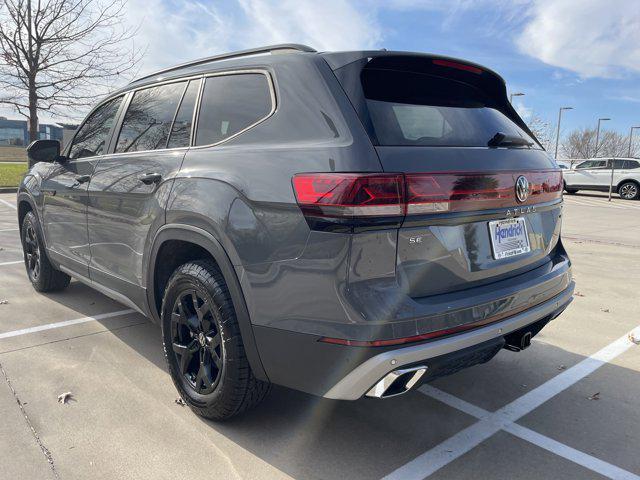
82	178
149	178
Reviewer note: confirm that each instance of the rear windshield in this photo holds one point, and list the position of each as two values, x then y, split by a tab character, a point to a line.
408	108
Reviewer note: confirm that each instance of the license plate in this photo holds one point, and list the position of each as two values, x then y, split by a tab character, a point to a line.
509	238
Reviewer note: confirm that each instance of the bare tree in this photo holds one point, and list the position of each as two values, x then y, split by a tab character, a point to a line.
59	55
581	143
543	130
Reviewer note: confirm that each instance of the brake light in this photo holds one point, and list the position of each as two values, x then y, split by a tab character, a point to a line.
353	195
350	194
458	66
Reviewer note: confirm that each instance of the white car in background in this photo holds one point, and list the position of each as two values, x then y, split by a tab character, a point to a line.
595	174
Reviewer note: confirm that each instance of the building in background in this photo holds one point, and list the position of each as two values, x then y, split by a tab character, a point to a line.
15	133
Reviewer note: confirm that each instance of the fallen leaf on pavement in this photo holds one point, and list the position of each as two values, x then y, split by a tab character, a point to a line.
605	310
65	397
562	367
595	396
578	294
634	339
4	302
180	401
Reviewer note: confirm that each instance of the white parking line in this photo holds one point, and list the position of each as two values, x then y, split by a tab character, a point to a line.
15	262
8	204
465	440
542	441
66	323
9	229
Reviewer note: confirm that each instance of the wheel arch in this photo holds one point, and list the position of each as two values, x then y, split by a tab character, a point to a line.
627	180
205	242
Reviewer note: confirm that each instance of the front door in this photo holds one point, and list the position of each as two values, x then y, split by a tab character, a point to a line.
65	190
129	188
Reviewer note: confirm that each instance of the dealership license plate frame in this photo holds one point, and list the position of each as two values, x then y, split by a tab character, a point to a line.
519	245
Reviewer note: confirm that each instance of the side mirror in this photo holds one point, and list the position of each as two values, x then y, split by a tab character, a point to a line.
43	151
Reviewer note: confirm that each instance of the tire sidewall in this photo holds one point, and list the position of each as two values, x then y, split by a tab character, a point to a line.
179	282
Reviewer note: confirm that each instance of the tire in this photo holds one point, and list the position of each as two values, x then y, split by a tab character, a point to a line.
570	191
43	276
203	346
629	191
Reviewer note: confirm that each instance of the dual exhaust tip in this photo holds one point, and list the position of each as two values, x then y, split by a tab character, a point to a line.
397	382
402	380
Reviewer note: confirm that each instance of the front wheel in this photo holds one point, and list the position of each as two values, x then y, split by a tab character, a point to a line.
629	191
203	346
43	275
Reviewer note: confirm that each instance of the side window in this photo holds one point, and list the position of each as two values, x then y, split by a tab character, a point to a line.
181	130
617	164
148	119
231	103
583	165
631	164
92	137
599	164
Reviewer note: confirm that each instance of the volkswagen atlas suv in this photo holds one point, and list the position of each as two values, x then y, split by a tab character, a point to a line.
346	224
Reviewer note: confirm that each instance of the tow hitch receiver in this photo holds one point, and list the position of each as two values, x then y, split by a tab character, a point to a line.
517	341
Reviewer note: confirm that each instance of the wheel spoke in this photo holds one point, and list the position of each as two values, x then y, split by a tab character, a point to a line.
215	358
203	378
185	353
214	342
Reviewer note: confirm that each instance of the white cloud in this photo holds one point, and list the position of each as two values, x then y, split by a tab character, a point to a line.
181	30
592	38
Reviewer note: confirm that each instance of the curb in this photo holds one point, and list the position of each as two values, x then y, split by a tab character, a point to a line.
8	189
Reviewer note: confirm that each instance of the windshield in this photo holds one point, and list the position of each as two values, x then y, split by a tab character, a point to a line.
408	108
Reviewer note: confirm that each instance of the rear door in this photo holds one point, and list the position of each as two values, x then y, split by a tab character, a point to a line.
129	188
475	213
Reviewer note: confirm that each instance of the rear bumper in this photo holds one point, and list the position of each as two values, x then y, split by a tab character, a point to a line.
297	360
360	380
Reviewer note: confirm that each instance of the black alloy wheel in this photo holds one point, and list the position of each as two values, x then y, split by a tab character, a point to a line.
196	342
32	252
42	274
203	345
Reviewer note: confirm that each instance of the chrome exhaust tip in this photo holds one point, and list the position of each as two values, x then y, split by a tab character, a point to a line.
397	382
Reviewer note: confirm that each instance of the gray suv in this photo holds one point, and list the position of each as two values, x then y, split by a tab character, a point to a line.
346	224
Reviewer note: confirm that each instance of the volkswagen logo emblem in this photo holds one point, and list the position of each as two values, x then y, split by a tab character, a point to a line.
522	188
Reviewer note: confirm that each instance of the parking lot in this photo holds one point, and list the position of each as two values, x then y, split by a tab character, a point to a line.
566	408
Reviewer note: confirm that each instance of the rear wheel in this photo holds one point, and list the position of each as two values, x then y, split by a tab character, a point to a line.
629	191
203	346
570	191
43	276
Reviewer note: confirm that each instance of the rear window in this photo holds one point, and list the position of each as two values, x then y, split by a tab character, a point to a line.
231	104
409	108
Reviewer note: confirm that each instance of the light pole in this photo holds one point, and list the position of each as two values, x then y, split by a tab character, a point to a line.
518	94
558	133
630	137
598	134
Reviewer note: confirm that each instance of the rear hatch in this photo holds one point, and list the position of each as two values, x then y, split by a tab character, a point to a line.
482	199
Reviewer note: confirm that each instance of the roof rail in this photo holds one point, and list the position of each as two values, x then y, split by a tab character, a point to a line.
283	47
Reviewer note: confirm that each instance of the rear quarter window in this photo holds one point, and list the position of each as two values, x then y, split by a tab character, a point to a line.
230	104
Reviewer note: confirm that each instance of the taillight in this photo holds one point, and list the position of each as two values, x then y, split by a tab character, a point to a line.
349	196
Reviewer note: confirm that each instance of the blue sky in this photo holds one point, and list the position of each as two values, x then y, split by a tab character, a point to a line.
581	53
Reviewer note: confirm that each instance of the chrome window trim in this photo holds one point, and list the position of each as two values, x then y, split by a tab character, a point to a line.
272	95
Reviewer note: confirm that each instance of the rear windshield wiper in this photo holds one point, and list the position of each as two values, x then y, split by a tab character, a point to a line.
503	140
